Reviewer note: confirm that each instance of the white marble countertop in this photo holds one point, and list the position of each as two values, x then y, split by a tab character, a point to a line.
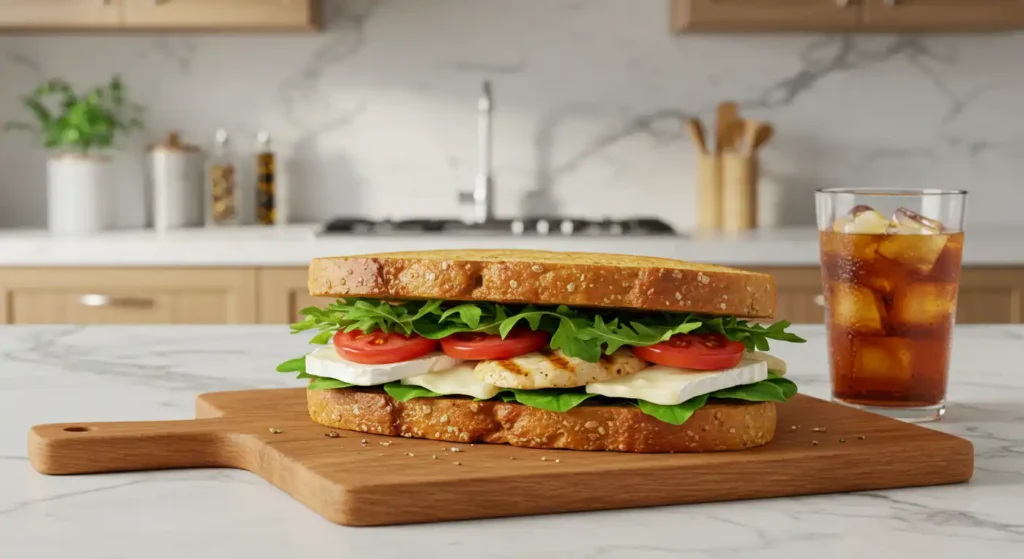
296	245
65	374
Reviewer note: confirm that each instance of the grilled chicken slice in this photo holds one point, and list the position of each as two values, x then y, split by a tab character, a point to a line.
549	368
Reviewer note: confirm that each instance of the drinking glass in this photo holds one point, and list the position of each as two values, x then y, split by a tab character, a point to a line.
890	267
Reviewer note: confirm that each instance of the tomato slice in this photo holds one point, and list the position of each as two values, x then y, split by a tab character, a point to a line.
705	352
477	346
378	347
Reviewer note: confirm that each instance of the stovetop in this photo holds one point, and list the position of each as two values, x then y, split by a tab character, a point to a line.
553	226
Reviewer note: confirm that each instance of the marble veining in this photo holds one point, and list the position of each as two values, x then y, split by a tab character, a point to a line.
375	116
70	373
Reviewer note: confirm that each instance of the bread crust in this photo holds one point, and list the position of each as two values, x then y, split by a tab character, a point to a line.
548	278
718	426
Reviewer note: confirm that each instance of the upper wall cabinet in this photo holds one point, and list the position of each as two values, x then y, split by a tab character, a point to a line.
764	15
222	14
60	14
159	15
851	15
952	15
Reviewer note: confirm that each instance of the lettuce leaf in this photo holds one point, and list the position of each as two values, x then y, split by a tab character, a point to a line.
323	383
673	415
406	392
551	399
582	333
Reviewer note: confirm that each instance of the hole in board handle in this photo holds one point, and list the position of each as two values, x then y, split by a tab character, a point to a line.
77	429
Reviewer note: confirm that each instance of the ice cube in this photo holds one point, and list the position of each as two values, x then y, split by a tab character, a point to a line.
863	220
857	308
923	305
886	361
917	252
906	222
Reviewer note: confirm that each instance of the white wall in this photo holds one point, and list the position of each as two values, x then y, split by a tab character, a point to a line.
379	110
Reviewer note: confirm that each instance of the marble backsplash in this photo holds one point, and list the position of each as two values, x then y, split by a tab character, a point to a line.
376	116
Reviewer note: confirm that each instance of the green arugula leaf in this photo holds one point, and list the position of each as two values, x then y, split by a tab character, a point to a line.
788	387
758	392
321	383
582	333
297	365
468	313
673	415
406	392
557	400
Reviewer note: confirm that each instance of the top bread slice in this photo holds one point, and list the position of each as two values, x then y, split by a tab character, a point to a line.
579	279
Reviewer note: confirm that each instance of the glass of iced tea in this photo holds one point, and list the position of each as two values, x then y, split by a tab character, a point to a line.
890	266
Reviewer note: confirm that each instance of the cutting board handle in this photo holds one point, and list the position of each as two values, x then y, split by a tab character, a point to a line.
85	448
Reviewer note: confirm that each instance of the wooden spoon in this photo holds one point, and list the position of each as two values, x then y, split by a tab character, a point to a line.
697	134
728	113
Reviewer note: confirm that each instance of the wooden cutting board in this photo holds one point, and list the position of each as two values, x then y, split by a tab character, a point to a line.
392	480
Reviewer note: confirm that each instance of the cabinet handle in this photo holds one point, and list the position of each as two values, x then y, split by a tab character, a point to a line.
890	3
842	3
101	300
819	300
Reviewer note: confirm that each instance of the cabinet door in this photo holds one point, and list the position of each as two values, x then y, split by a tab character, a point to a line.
765	15
942	15
223	14
283	293
56	14
128	296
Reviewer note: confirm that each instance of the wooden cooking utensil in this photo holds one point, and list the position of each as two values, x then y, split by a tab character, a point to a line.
364	480
749	134
764	133
728	114
697	134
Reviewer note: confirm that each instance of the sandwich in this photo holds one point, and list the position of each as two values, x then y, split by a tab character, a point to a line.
554	350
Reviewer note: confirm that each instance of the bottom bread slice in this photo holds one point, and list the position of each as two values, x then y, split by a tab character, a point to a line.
718	426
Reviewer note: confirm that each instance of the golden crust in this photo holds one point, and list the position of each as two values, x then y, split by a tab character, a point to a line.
715	427
547	278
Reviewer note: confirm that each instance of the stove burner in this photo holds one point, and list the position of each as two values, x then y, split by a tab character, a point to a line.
547	226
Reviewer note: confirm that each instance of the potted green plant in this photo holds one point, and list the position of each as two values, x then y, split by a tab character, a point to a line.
80	129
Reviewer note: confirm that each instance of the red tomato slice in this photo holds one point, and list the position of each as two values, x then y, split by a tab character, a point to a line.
377	347
477	346
705	352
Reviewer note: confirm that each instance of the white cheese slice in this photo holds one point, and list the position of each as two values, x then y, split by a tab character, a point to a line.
325	362
775	365
669	386
457	380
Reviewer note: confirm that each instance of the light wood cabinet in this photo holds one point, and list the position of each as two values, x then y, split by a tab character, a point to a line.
283	292
758	15
222	14
852	15
127	296
934	15
60	14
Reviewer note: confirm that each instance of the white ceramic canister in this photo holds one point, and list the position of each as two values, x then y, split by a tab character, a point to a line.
176	179
77	194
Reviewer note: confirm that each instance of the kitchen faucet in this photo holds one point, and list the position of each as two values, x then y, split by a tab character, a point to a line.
483	186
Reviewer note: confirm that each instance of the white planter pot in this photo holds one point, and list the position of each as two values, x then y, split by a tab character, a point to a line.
77	194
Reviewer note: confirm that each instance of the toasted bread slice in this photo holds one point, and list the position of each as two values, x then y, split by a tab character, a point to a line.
714	427
547	278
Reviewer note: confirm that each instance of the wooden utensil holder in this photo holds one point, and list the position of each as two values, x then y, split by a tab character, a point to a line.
739	175
709	191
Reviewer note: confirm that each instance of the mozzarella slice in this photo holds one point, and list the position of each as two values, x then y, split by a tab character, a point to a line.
553	369
775	365
457	380
669	386
325	362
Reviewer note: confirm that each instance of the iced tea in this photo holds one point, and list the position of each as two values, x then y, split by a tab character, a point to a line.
890	287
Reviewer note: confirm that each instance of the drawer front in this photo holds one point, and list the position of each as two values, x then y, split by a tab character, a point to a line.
127	296
283	293
49	306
